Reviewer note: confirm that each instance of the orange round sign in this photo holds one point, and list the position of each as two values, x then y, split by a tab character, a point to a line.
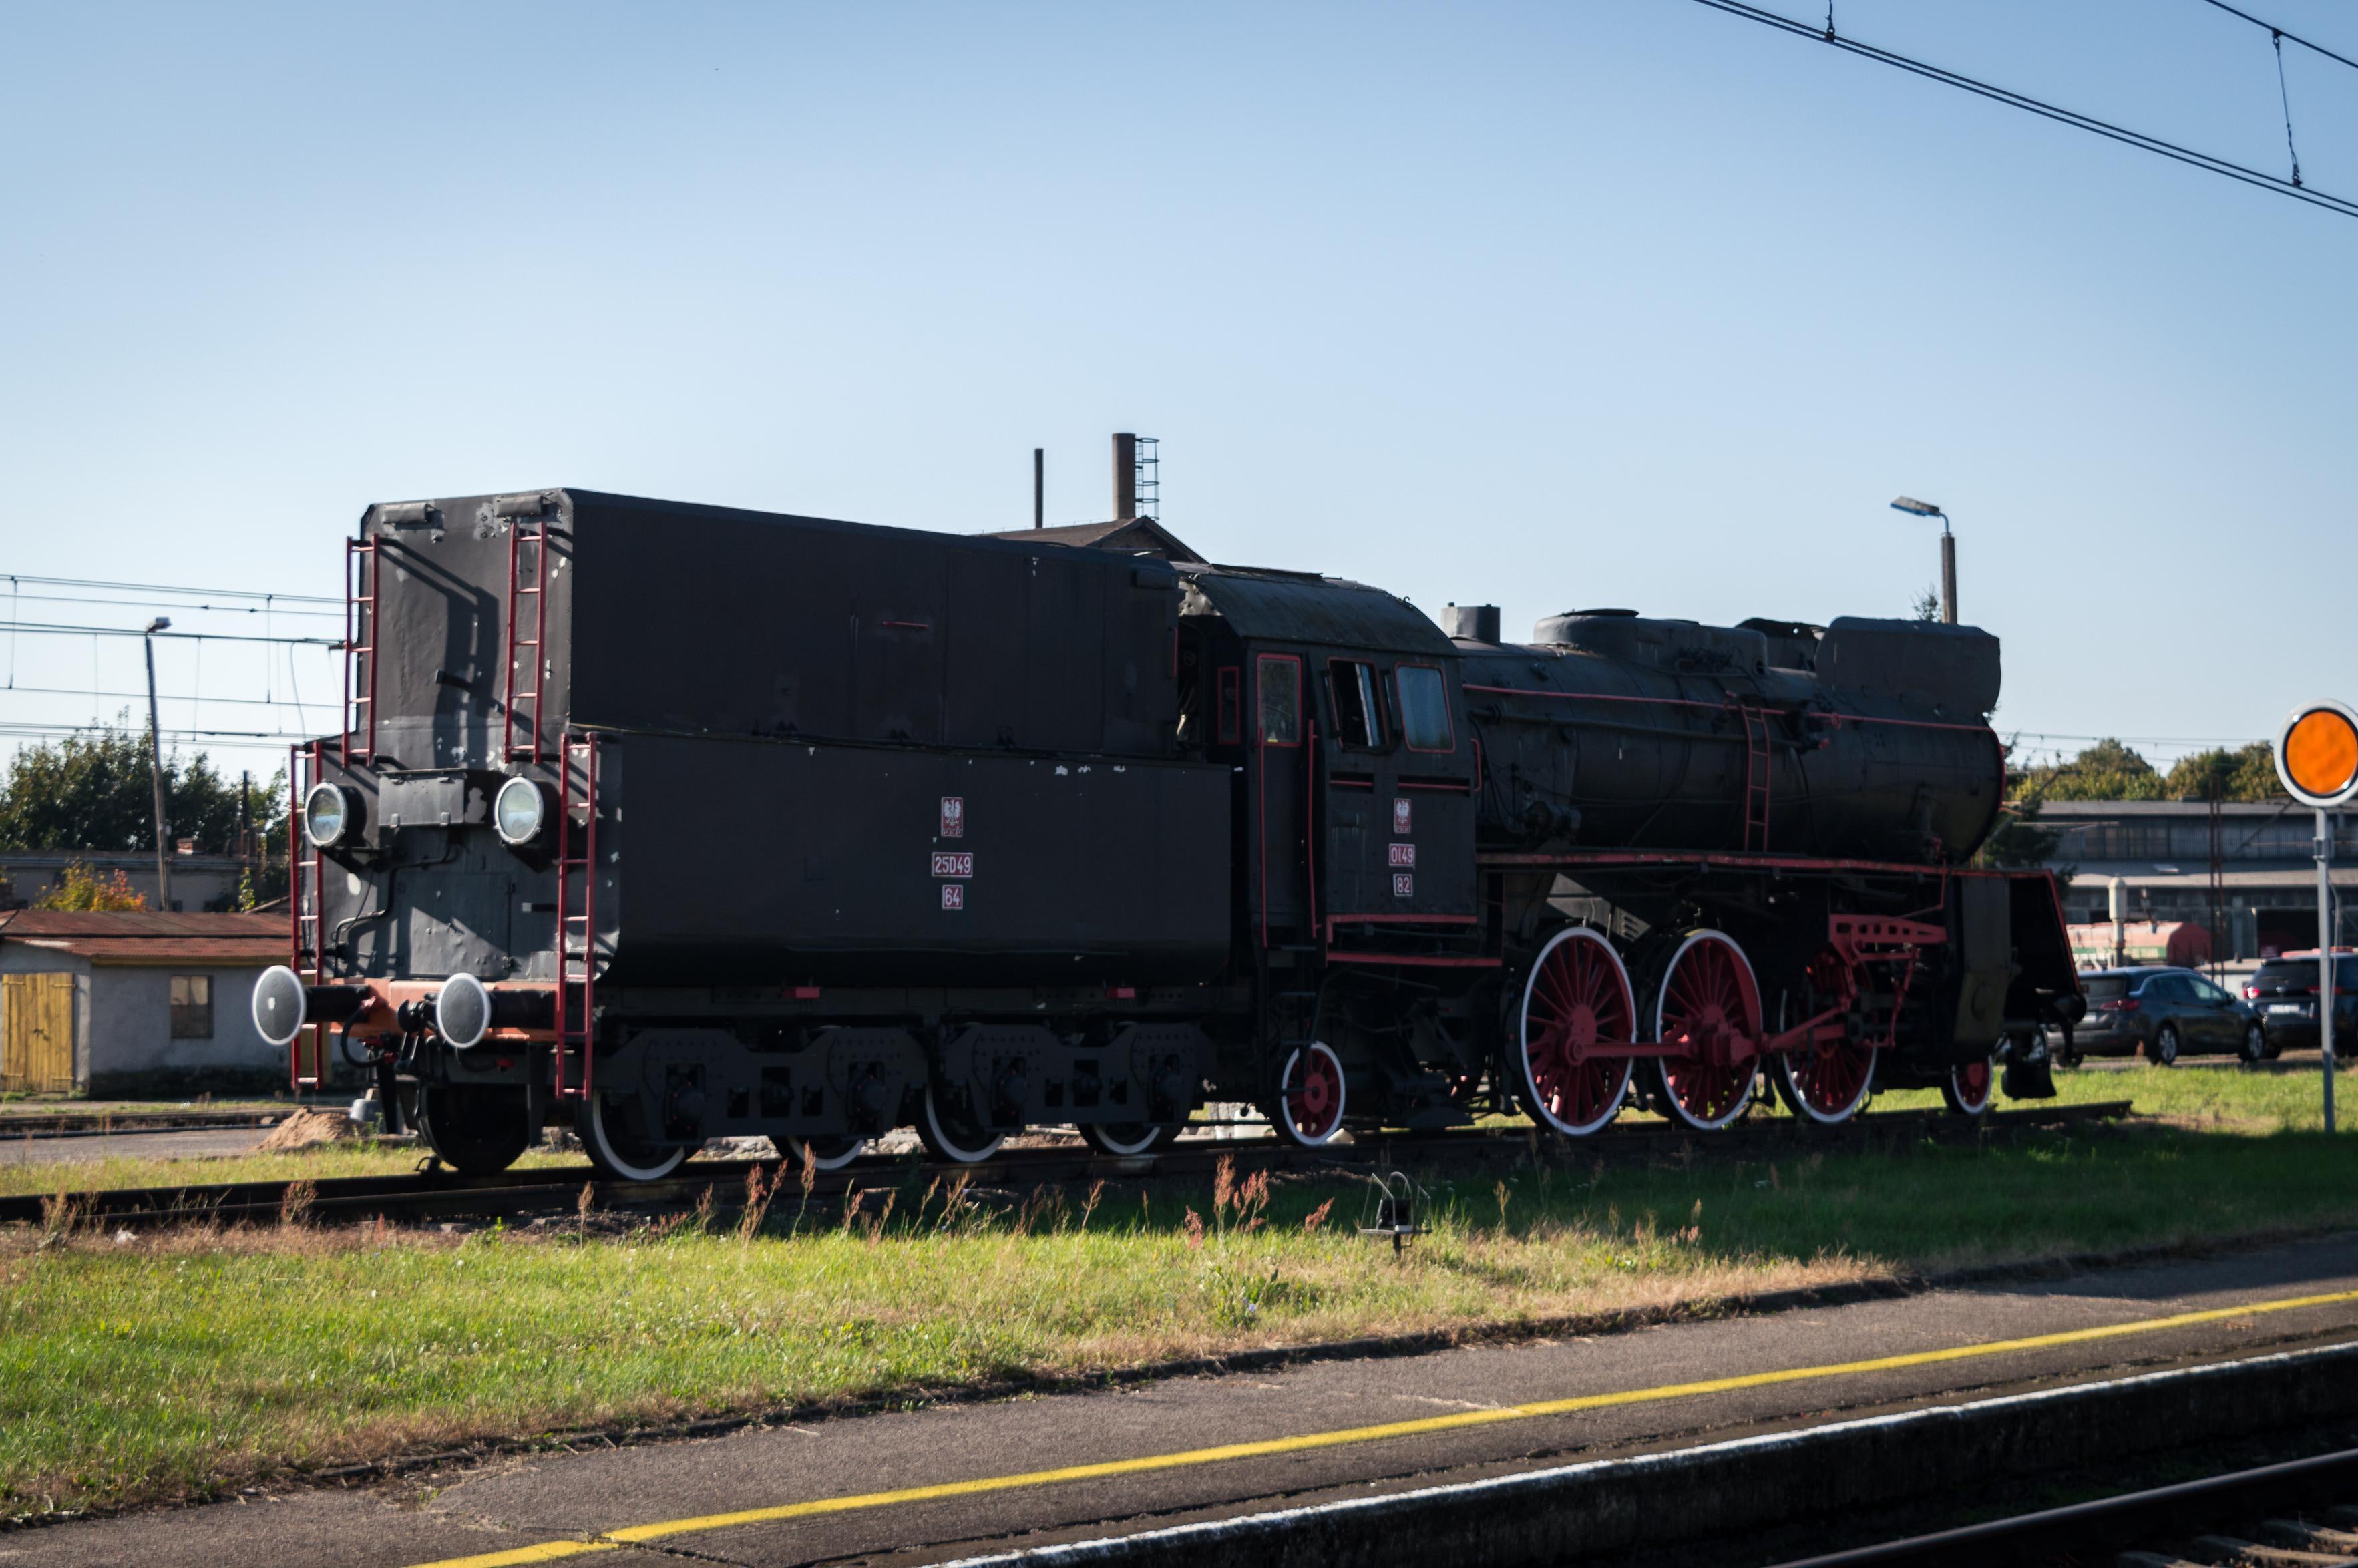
2317	754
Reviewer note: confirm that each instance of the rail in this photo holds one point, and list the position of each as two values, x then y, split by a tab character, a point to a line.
442	1192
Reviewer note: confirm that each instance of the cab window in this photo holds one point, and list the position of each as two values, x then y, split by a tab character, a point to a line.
1424	709
1358	709
1280	678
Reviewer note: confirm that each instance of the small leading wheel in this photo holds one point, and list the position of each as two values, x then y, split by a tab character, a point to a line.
1123	1138
2255	1045
616	1151
478	1130
826	1153
1971	1085
1709	1005
2163	1051
1576	999
954	1135
1309	1101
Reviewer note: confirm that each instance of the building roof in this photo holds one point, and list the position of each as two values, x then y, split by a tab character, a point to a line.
1136	535
151	936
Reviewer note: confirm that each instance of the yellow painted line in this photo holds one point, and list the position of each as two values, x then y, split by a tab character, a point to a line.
613	1539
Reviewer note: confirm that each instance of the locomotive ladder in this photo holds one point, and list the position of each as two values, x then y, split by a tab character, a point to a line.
359	715
305	872
522	704
1759	773
577	863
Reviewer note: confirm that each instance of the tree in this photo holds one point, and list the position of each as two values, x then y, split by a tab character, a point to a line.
2017	843
92	791
1928	605
81	888
2105	771
2248	775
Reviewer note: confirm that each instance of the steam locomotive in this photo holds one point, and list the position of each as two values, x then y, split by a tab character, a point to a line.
668	822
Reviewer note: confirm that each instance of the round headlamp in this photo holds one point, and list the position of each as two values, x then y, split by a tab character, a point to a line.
520	811
331	816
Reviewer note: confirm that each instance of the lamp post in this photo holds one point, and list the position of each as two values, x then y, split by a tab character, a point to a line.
1948	553
156	768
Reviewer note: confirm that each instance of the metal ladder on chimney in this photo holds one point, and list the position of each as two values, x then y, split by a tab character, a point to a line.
359	715
576	867
1760	775
306	868
520	705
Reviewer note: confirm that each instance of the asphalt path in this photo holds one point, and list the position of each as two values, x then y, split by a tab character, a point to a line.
176	1144
928	1485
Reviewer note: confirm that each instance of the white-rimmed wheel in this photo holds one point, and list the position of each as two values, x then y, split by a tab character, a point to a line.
1308	1109
1708	1008
604	1128
826	1153
1577	998
1971	1085
1825	1082
953	1135
1123	1138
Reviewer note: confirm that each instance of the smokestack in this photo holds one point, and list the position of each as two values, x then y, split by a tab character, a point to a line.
1039	487
1125	476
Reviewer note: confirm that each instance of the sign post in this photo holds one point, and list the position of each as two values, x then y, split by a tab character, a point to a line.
2317	758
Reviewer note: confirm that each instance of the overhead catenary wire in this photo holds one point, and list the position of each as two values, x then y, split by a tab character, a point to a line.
2277	32
253	593
2072	117
39	627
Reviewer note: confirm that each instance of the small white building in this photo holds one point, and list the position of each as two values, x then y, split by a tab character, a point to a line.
136	1003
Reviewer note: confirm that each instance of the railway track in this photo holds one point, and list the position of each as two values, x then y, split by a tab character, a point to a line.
2291	1515
434	1192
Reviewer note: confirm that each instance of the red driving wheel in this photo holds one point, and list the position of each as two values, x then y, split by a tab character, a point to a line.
1827	1081
1708	1008
1576	999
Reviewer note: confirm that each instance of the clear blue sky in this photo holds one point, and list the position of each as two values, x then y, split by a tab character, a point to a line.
1554	306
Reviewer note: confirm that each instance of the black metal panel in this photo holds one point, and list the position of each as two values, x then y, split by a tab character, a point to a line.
710	620
1952	670
753	861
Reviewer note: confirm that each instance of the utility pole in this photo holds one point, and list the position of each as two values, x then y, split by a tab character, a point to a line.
1039	487
155	769
2317	762
2324	849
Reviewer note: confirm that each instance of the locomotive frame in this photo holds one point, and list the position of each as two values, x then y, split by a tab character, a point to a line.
1188	832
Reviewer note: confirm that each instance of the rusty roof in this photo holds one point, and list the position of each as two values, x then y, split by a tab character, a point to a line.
150	936
129	922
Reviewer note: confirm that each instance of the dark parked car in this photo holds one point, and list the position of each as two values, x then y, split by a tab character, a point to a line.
2283	993
2167	1013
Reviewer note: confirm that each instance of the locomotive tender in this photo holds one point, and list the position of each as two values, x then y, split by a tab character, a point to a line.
669	822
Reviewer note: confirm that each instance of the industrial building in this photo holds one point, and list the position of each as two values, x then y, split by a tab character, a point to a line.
2245	872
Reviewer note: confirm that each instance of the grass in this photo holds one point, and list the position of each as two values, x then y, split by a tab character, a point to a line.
134	1368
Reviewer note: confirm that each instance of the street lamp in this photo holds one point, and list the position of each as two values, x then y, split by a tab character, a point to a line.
1947	552
156	768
